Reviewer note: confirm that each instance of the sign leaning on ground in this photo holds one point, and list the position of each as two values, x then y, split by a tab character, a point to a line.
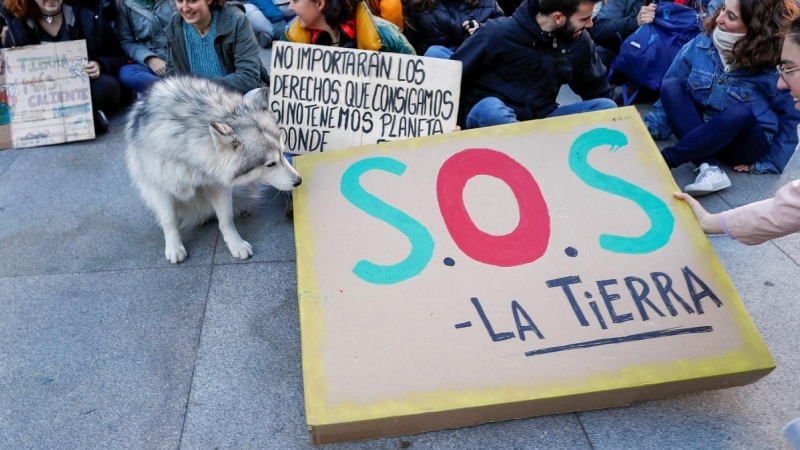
327	98
506	272
44	95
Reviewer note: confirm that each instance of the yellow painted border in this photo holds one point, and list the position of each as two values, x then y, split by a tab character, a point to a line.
752	355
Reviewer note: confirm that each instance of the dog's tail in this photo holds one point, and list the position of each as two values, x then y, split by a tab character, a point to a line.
246	200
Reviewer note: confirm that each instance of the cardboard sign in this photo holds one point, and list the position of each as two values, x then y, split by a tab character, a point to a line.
45	97
506	272
327	98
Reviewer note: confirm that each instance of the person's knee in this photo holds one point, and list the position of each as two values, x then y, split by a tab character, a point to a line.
602	103
670	86
741	116
106	91
488	112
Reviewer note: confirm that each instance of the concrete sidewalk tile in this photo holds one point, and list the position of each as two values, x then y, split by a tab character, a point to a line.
98	360
269	232
747	417
71	208
748	188
248	392
790	245
7	157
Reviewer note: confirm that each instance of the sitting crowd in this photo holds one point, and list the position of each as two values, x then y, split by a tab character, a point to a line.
720	98
729	96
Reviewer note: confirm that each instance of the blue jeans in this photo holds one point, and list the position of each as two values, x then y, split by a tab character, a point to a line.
438	51
492	111
137	77
733	136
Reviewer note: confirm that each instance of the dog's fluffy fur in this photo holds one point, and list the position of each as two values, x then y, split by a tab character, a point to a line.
190	144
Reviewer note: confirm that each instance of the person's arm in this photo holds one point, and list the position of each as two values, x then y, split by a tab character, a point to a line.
246	75
613	24
127	39
756	222
708	222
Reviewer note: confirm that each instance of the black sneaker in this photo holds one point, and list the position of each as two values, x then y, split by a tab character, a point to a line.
100	122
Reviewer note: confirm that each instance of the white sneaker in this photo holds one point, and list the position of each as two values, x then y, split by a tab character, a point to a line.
711	179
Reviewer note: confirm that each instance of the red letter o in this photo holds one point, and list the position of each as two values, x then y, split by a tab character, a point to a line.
527	243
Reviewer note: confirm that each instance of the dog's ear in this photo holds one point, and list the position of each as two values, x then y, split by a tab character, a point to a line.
257	99
223	136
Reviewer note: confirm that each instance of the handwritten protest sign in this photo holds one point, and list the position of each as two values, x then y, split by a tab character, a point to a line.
45	96
326	98
506	272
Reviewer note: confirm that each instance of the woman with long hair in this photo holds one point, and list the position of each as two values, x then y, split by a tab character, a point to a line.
720	96
210	39
32	22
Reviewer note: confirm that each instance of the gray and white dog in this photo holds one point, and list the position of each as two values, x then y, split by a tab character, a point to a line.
196	149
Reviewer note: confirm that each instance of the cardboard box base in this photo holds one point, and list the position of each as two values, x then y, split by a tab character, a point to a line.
419	423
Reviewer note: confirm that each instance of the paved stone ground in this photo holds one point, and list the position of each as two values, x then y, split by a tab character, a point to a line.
104	344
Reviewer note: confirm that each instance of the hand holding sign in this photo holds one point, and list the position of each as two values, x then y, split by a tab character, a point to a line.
92	69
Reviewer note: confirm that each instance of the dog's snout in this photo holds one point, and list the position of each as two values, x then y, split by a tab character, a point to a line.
298	182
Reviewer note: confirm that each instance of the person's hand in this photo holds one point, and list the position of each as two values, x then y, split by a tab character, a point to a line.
646	15
470	26
92	69
708	222
742	168
157	65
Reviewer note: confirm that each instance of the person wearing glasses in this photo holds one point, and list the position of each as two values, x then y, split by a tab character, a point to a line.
720	96
758	222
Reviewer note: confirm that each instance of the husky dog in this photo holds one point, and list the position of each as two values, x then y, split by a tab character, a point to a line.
196	149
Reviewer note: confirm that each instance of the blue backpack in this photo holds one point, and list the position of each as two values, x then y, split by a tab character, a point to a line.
645	55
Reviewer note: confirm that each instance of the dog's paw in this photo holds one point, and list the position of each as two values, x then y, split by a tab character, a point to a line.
241	249
175	254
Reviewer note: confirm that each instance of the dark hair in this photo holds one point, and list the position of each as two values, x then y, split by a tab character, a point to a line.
216	4
760	48
566	7
25	9
337	12
427	5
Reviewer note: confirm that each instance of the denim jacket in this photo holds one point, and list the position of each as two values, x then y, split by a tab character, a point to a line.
713	90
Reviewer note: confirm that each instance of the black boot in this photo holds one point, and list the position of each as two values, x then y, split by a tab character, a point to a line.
100	123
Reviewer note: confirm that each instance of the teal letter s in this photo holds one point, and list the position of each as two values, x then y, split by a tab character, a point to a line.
421	241
661	220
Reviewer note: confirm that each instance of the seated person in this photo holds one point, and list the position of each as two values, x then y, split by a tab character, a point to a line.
617	20
266	19
344	23
213	40
442	25
32	22
720	96
140	28
513	68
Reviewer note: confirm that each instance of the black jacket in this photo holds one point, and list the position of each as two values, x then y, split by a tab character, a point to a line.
442	24
84	21
513	60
